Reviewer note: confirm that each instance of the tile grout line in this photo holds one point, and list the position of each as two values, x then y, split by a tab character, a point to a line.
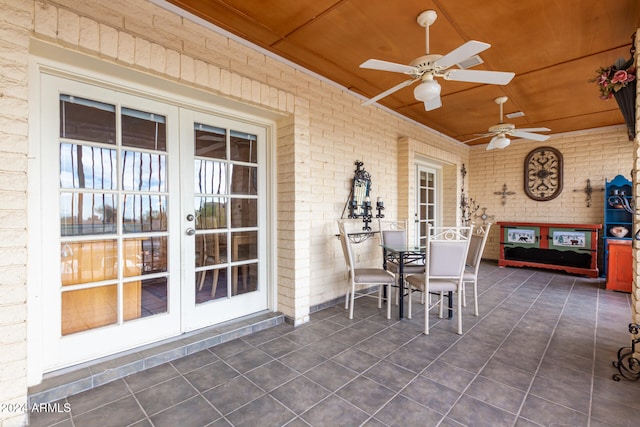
555	327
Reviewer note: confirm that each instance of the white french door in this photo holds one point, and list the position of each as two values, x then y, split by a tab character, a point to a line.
427	197
152	220
224	220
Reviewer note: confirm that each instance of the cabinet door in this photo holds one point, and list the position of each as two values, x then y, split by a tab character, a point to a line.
620	270
521	236
569	239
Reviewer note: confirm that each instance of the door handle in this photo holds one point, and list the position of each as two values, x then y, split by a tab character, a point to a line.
190	231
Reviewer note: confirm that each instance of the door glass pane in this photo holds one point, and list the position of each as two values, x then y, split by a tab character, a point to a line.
243	147
211	213
243	180
210	141
87	120
88	261
246	279
88	167
144	171
244	245
144	298
144	212
89	308
244	213
87	213
143	130
210	177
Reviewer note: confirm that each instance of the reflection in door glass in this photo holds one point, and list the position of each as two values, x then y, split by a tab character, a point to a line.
143	171
143	130
243	147
244	180
83	166
87	120
87	213
210	141
144	212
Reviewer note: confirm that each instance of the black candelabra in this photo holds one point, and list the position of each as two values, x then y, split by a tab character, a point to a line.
628	364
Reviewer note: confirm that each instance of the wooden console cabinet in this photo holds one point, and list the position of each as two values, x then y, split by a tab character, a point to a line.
569	247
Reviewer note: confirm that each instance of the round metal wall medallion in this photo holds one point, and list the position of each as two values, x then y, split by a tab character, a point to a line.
543	174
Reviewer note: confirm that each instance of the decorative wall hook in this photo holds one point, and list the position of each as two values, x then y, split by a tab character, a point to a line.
468	206
588	190
484	217
503	194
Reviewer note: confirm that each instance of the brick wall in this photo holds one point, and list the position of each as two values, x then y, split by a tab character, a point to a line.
595	155
15	22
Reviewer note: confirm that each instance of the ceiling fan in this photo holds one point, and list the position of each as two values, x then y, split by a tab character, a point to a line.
429	66
501	130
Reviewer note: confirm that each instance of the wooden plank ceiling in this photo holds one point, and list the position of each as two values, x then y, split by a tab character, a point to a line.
554	48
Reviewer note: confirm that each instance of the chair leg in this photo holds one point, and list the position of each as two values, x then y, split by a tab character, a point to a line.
459	303
441	302
475	296
427	308
346	298
214	284
203	274
464	295
353	299
388	301
380	287
409	287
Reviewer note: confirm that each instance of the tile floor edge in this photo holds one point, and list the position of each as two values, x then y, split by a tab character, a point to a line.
77	385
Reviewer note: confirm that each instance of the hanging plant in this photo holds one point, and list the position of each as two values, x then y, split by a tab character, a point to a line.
619	81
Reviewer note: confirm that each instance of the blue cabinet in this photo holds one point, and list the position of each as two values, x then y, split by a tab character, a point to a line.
618	220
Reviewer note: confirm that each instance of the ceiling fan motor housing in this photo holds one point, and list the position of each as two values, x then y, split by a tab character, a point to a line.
502	127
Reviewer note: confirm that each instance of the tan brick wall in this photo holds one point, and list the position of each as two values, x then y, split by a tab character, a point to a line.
595	155
15	22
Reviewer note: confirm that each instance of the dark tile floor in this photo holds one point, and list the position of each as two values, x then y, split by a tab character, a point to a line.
539	354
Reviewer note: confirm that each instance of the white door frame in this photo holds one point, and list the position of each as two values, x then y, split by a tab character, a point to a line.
57	62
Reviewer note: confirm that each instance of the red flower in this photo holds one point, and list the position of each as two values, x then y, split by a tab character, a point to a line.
620	76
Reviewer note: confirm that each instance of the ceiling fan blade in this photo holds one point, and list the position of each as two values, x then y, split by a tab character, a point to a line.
461	53
389	91
377	64
480	76
528	135
432	104
477	137
534	130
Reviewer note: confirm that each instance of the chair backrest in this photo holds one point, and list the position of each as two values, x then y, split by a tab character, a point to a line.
346	244
447	249
393	232
476	247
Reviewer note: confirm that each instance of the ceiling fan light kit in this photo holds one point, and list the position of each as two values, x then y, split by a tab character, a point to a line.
427	90
498	142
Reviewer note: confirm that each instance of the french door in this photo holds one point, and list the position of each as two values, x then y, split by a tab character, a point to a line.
427	205
153	223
